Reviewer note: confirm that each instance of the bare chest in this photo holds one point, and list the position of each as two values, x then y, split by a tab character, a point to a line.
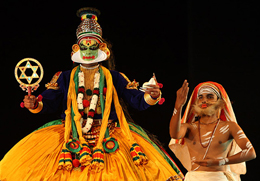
214	138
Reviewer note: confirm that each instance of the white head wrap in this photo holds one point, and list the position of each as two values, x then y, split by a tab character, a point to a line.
208	89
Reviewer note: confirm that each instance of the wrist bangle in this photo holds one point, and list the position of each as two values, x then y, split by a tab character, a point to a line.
37	109
223	161
227	160
149	100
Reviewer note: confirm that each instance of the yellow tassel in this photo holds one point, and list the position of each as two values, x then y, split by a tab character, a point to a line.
85	155
97	163
65	161
138	155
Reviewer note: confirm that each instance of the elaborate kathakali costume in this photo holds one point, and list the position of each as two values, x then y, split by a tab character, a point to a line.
93	140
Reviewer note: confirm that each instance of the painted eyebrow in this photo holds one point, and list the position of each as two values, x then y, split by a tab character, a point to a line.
96	44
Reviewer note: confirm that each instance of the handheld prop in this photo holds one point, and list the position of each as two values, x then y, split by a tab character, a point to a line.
28	73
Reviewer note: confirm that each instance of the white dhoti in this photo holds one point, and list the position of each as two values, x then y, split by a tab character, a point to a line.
208	176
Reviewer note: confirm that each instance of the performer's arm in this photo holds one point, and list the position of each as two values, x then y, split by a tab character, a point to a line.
248	151
135	98
51	98
178	130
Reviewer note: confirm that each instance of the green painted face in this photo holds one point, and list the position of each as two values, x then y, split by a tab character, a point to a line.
88	49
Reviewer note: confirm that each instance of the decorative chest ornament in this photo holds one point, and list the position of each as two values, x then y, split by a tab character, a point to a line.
73	145
110	145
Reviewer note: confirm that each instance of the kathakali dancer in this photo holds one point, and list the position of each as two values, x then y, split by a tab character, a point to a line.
93	140
207	140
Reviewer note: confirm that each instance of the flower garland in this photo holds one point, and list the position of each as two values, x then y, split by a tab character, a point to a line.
84	103
81	91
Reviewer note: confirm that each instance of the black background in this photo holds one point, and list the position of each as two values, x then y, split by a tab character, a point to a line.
177	40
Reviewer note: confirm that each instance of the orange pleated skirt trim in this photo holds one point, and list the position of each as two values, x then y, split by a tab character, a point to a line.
36	157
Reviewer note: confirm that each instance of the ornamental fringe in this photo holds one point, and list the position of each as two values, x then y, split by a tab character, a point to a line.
97	163
85	155
138	155
65	161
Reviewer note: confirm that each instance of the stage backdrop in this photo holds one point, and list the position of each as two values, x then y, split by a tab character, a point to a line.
176	40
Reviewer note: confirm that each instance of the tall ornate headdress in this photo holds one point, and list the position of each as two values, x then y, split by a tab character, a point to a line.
89	29
89	26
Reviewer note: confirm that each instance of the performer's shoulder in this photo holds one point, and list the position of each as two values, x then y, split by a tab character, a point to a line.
118	75
233	125
58	79
67	72
114	73
229	123
191	125
64	75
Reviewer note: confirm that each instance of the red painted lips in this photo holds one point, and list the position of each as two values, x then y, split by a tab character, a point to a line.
90	57
204	106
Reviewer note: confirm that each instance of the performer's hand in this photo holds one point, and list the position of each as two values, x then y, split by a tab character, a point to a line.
182	94
153	90
208	162
29	101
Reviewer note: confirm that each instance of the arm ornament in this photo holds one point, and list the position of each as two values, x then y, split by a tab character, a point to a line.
151	101
130	85
223	161
53	83
37	109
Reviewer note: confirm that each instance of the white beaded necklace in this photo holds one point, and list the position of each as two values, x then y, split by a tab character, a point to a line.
93	102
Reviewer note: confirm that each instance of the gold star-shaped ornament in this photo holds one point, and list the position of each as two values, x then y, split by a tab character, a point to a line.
24	76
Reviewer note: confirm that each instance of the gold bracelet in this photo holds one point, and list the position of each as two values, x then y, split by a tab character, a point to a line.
149	100
38	109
